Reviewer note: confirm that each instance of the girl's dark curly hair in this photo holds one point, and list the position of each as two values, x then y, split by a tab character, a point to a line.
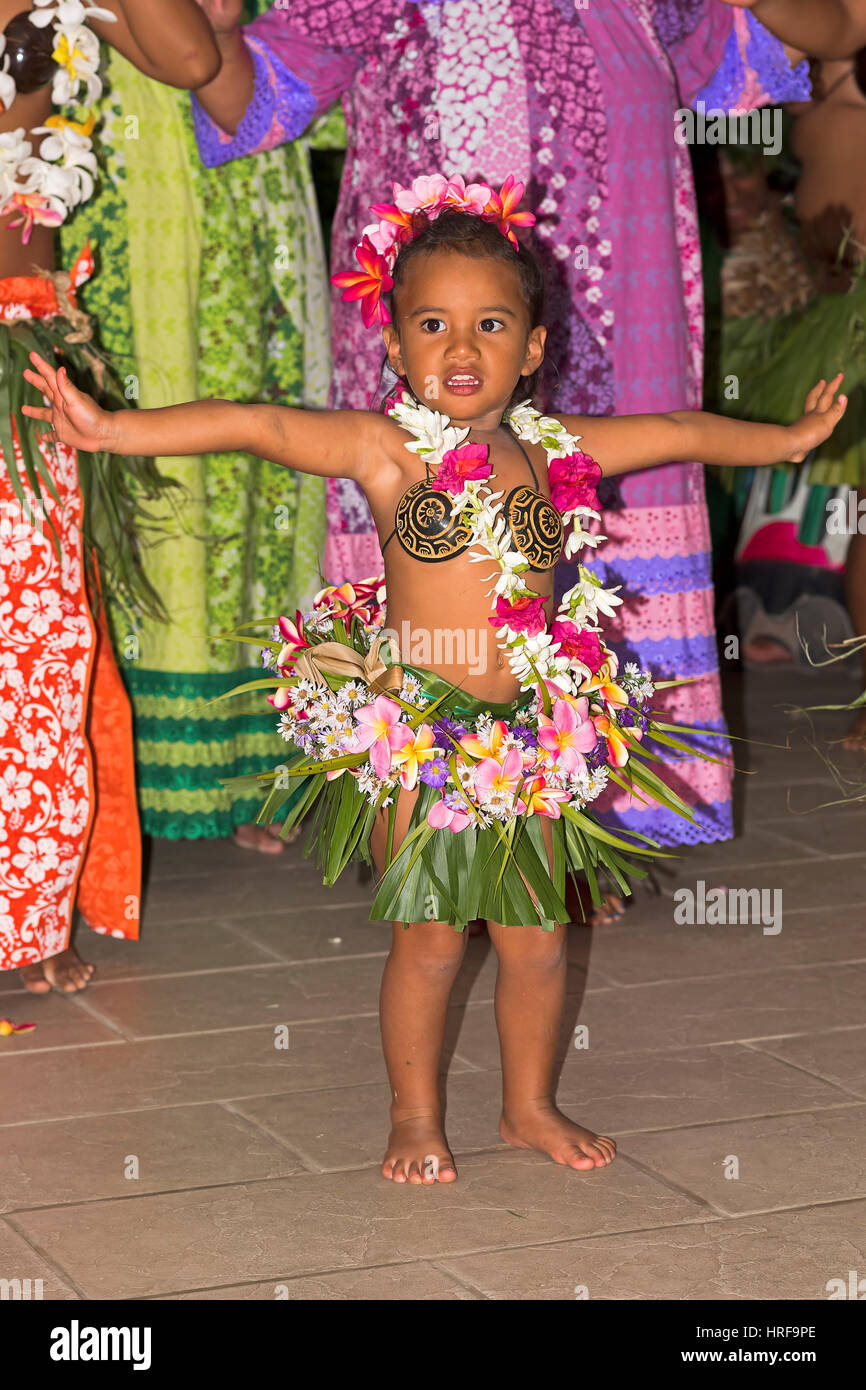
469	235
472	236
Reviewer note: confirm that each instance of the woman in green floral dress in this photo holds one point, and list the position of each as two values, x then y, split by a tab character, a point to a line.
209	283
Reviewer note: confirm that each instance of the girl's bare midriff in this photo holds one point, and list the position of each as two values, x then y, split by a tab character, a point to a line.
443	607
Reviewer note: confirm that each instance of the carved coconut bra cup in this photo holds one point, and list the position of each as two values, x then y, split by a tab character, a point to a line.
427	531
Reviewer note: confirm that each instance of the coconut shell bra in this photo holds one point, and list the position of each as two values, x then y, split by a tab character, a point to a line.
427	531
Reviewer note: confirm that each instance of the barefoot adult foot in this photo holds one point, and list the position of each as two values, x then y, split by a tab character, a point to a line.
855	739
260	838
550	1132
66	971
418	1152
766	651
612	907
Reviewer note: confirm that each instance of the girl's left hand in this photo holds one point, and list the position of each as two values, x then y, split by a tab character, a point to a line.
822	414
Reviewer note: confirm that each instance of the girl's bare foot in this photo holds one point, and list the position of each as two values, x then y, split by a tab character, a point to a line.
855	739
545	1128
66	971
418	1152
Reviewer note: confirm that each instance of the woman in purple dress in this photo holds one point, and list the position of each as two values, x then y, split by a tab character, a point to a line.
578	102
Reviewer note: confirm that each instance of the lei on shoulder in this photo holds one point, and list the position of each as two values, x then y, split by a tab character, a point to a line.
53	43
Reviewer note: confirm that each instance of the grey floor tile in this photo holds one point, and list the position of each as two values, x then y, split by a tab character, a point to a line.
332	1221
790	1255
658	1017
37	1279
839	1056
189	1069
765	1164
139	1151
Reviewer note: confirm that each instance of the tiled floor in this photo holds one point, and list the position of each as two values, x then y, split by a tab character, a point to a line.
157	1143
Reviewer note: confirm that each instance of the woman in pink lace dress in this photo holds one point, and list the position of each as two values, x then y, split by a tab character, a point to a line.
580	104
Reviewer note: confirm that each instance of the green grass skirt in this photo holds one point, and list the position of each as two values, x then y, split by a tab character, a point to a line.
454	877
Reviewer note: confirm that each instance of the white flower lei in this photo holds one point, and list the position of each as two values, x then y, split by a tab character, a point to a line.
60	177
529	657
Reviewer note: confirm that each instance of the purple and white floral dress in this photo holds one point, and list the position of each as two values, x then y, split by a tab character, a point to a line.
579	102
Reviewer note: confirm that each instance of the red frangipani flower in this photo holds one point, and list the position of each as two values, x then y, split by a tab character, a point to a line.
459	466
573	482
524	614
502	209
368	285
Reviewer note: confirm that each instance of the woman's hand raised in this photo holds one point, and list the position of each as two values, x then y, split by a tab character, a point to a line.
75	418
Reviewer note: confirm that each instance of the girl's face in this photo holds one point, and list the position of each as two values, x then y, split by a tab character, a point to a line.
462	336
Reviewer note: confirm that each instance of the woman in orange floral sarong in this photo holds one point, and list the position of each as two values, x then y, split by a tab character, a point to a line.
69	832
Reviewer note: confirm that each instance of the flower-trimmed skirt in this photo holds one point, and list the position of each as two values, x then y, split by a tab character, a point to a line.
499	871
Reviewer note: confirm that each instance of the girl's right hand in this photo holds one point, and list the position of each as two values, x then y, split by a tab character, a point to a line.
224	15
75	418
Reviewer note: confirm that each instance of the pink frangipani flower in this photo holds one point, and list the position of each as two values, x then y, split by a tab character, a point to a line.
568	734
505	776
377	730
543	800
448	814
411	748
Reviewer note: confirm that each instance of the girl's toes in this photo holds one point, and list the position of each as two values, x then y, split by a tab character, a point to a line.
415	1175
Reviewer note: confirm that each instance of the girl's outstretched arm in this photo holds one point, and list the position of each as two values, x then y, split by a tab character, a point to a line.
631	442
332	443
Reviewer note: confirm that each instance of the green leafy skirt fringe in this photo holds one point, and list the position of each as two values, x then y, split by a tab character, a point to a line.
445	876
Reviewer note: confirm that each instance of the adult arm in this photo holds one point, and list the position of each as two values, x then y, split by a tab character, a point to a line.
281	71
632	442
169	40
821	28
726	58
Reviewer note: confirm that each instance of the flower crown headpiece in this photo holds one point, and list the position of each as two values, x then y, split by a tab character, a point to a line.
431	195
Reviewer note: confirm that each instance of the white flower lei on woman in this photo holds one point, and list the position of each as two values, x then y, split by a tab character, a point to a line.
46	187
530	658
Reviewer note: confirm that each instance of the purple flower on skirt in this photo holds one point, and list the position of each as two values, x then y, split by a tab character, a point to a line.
631	718
446	730
525	734
598	756
434	772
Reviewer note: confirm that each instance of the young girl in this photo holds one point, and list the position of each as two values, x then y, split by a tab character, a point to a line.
528	729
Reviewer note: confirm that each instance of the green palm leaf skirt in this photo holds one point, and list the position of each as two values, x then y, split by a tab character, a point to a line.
457	860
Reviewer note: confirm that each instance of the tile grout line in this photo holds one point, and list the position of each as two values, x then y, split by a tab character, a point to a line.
483	1250
796	1066
309	1164
147	1038
57	1269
